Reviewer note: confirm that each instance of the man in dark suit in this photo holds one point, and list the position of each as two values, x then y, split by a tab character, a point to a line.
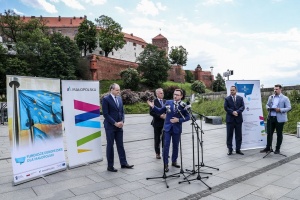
113	113
158	120
234	106
176	114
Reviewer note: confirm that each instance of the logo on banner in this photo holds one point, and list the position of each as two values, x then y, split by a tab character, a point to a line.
81	89
85	120
20	160
244	88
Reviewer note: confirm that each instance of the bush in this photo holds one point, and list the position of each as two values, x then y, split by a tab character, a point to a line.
131	78
144	96
189	77
198	87
129	97
168	91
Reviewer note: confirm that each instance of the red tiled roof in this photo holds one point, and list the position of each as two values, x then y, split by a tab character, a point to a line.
131	36
159	36
58	21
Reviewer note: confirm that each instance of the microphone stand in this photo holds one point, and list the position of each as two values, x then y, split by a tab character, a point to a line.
164	176
198	170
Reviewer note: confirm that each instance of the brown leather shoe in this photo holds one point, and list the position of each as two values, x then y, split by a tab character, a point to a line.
158	156
174	164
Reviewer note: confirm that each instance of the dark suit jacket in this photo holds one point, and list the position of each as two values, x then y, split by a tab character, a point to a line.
157	121
111	112
177	127
229	107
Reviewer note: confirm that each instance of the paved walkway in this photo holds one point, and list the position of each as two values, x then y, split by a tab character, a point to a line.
240	177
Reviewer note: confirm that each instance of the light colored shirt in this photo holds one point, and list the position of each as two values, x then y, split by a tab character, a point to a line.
275	102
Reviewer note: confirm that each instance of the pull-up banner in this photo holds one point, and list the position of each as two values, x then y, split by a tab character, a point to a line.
35	127
81	106
253	128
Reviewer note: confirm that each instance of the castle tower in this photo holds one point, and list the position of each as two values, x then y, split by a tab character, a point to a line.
161	42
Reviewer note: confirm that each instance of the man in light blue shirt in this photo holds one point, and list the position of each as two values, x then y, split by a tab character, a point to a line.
278	105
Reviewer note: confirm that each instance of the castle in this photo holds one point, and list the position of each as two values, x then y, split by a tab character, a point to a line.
109	68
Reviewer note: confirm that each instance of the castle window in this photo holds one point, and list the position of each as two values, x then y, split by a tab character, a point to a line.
134	54
100	52
143	46
112	53
134	44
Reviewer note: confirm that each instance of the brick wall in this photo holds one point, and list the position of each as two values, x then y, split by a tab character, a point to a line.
104	68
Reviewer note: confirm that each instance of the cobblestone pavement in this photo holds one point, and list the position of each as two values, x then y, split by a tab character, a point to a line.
239	177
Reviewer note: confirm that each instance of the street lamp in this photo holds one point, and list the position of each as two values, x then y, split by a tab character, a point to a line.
228	73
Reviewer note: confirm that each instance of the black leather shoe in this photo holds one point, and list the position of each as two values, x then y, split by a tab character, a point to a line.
229	153
239	152
277	151
158	156
127	166
174	164
112	169
166	168
266	150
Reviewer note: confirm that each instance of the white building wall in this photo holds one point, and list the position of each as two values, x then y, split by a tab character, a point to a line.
128	52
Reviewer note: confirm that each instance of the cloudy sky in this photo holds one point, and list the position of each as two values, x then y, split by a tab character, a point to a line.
257	39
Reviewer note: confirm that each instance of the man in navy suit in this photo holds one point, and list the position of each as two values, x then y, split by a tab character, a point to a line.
278	105
176	114
113	112
158	120
234	106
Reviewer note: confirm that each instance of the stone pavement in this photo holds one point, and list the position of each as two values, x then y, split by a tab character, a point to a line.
240	177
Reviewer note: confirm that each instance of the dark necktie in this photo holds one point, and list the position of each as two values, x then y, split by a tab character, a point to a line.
175	107
234	101
161	102
116	101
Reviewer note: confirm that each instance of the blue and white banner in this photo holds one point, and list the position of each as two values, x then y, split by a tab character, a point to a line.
81	105
35	127
253	128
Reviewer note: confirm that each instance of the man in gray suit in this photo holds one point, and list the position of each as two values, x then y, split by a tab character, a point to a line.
278	105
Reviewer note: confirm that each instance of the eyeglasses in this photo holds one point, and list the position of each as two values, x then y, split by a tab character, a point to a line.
177	94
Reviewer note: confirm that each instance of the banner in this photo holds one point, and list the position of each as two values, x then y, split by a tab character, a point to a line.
253	129
35	127
81	106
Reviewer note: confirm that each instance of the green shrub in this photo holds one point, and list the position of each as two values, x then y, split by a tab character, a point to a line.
131	78
198	87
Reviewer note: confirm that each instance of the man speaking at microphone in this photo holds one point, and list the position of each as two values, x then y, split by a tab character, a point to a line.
176	114
278	105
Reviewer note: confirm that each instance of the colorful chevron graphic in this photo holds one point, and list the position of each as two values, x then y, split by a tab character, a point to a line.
262	123
84	120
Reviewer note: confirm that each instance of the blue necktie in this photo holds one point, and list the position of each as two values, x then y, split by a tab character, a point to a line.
116	101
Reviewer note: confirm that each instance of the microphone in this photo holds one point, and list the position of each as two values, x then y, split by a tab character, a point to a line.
188	106
182	104
168	107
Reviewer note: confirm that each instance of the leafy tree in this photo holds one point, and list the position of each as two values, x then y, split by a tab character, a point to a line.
110	34
198	87
10	24
86	38
178	55
131	78
219	84
153	65
189	77
61	59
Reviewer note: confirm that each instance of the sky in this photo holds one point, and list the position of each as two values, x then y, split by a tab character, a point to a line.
257	39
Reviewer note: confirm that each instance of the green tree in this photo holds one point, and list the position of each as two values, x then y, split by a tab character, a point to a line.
131	78
61	59
110	34
178	55
86	38
198	86
219	84
189	76
10	24
153	65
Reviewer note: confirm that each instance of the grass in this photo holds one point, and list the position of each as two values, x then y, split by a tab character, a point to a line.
215	108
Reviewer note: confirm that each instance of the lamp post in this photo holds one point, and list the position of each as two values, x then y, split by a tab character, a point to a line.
228	73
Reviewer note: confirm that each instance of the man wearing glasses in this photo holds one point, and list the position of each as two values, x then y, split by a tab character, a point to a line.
176	114
234	106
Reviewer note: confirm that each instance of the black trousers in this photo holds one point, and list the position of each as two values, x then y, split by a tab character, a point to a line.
273	124
157	139
237	128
